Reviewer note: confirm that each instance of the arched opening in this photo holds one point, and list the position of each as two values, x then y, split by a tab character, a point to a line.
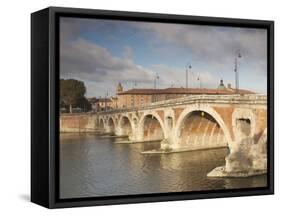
200	130
244	126
125	126
152	129
111	126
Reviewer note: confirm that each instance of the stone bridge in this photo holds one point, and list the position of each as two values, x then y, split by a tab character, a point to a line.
238	122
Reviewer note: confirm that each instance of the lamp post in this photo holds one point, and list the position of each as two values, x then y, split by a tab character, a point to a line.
105	102
200	82
188	66
156	77
237	55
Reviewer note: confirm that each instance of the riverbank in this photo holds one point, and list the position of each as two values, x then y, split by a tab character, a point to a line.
78	123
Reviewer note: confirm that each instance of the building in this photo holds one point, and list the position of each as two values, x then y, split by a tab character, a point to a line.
142	97
101	104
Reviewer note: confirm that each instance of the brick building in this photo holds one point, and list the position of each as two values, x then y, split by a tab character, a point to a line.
101	104
142	97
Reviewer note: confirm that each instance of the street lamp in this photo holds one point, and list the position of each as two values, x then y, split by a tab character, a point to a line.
200	82
155	79
188	66
105	102
237	55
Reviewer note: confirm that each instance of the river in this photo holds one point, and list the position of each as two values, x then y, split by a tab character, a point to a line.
92	166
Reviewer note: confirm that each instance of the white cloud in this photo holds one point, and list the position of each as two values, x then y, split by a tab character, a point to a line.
101	71
172	76
216	46
90	62
211	47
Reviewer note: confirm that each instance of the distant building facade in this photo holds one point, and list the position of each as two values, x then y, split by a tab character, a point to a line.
143	97
102	104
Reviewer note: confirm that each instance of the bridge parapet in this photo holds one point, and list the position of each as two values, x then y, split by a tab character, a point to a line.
250	99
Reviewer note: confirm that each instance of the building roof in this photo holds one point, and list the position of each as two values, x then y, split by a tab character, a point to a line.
93	100
96	100
185	91
104	100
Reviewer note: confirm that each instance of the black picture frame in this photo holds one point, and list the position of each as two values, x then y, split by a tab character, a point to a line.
45	106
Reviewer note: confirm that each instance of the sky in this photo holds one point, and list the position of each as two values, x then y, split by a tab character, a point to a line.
102	53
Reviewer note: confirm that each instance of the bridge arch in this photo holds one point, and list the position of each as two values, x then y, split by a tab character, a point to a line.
200	128
111	125
151	127
125	126
102	124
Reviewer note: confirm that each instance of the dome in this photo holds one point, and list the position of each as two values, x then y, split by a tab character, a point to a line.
221	85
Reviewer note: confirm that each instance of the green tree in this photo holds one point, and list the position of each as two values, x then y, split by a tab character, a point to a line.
84	104
71	92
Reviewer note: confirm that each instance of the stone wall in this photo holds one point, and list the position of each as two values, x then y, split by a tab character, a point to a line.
78	123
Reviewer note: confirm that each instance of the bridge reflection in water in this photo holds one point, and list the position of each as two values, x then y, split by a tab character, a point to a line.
92	165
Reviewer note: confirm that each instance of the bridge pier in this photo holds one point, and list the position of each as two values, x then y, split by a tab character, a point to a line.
246	158
248	154
170	141
109	130
118	131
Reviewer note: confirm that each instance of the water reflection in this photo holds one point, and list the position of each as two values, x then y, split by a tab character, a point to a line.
95	166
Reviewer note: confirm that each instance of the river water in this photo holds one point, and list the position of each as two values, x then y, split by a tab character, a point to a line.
92	166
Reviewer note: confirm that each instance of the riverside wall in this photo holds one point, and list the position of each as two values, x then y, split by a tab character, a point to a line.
78	123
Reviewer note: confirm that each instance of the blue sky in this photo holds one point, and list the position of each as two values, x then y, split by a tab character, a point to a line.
104	52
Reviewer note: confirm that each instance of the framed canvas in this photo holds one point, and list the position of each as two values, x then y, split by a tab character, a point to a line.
138	107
